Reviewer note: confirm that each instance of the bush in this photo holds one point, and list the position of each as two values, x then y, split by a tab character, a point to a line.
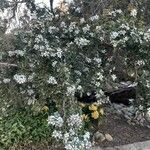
58	55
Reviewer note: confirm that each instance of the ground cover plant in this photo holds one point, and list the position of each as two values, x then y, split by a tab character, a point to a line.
53	55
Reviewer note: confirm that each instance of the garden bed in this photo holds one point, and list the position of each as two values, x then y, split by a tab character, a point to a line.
121	131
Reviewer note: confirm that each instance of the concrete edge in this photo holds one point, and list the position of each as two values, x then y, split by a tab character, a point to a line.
134	146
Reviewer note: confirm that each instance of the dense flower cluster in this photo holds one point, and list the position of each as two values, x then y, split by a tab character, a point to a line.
72	137
20	78
55	120
56	56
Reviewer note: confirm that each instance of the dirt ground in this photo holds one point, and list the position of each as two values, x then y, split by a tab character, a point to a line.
121	131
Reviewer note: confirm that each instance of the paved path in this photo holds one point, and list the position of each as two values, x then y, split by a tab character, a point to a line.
135	146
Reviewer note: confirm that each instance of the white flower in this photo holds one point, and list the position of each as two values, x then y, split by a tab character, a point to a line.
52	80
30	92
74	121
78	72
30	77
98	28
147	36
114	35
31	101
52	29
54	63
63	24
98	60
72	26
57	134
20	78
11	53
88	60
16	52
87	135
6	80
79	87
45	54
55	120
81	41
99	76
119	11
71	90
133	12
59	53
114	77
82	20
66	137
86	28
93	18
140	63
19	52
78	9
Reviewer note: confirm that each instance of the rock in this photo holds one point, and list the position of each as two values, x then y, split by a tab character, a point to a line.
108	137
148	115
99	136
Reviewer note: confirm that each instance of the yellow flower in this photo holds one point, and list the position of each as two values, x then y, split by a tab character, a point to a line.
96	104
84	117
101	111
82	105
93	107
45	109
95	114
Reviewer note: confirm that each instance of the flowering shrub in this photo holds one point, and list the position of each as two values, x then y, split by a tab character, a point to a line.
57	55
92	111
73	137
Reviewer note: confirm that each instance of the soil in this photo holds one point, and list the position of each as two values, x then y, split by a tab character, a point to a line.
121	131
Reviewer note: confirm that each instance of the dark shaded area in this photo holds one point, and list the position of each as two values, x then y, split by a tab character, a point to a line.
122	96
85	98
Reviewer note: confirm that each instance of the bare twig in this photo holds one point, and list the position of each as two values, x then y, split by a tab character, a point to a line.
7	65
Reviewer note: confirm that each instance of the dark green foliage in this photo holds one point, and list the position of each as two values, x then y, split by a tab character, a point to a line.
23	127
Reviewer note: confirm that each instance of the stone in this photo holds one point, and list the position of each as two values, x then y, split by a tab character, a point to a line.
99	136
108	137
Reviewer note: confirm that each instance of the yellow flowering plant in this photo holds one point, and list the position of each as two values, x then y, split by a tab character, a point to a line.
91	111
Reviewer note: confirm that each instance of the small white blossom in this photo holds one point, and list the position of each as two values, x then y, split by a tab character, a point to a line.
52	80
52	29
59	53
30	92
99	76
45	54
74	121
98	60
93	18
114	35
63	24
6	80
114	77
57	135
133	12
81	41
82	20
54	63
79	87
71	90
55	120
86	28
78	9
20	78
98	28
